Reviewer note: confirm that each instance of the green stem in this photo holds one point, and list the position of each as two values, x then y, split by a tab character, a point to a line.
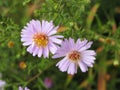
102	73
40	72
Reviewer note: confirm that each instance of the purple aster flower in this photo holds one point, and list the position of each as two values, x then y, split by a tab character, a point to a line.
48	82
2	83
75	54
20	88
40	38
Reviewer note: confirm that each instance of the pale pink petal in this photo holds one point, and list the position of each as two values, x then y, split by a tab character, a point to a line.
35	51
65	46
52	32
50	28
81	44
61	52
55	40
26	39
65	66
88	63
78	43
45	52
30	49
38	25
58	55
71	44
27	43
72	68
26	36
88	52
88	60
30	26
82	66
60	63
89	57
57	36
87	46
52	48
40	52
34	26
25	31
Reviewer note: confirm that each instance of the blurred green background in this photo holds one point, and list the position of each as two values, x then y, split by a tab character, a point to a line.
95	20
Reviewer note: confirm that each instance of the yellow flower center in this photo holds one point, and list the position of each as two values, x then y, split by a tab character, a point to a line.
22	65
41	40
74	56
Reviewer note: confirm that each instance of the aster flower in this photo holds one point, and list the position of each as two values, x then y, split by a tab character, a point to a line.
75	54
20	88
40	38
2	83
48	82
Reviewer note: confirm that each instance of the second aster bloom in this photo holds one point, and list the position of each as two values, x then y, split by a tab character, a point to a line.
75	54
40	38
